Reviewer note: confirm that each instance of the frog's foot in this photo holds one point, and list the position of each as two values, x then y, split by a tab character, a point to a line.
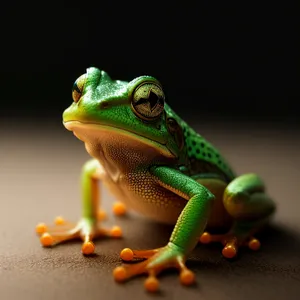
119	209
230	242
86	230
156	261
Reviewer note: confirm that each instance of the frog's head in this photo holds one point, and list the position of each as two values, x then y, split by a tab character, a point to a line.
133	111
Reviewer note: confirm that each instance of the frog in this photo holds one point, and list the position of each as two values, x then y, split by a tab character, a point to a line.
156	164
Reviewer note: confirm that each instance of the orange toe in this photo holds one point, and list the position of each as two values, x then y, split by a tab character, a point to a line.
229	251
116	231
254	244
102	215
88	248
205	238
119	274
151	284
41	228
46	239
119	209
126	254
187	277
59	220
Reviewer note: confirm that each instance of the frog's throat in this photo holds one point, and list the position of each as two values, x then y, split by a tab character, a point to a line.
75	126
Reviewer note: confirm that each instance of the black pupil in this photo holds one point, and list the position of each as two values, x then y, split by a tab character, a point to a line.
152	99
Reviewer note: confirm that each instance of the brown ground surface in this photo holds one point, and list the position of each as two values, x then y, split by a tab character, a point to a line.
39	172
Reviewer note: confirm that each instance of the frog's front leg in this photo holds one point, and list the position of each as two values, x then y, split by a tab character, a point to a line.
88	228
184	238
250	207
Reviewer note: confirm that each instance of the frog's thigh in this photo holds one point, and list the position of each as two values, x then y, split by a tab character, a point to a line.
245	198
219	217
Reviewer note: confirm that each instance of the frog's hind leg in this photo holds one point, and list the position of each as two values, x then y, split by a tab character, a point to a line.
250	207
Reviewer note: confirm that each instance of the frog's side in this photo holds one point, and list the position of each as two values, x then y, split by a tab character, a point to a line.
153	162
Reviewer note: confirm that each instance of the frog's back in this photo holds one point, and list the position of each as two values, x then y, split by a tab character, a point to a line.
203	159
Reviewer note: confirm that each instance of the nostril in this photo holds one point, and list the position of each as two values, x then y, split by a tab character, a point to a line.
104	105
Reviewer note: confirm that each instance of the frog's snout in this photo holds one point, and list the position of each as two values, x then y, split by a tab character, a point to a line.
66	115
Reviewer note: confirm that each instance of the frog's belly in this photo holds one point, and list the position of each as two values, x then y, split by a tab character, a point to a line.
151	201
164	206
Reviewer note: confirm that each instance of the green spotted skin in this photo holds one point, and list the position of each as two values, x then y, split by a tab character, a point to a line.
200	150
202	157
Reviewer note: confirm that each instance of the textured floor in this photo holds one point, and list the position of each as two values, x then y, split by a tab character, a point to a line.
39	172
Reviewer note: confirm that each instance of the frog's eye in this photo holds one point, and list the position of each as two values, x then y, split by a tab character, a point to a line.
148	100
78	87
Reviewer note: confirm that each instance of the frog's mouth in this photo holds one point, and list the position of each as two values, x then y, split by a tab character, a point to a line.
89	132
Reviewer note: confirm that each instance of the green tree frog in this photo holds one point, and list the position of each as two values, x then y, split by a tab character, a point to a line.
156	164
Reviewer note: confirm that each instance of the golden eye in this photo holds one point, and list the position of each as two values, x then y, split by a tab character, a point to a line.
78	87
148	100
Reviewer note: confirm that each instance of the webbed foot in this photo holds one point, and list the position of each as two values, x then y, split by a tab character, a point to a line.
231	242
156	261
86	229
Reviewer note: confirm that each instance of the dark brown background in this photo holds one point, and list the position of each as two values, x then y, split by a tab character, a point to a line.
230	69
